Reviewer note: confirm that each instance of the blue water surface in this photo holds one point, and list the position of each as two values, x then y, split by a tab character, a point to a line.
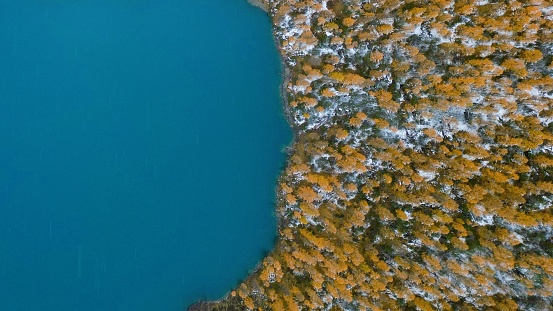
140	142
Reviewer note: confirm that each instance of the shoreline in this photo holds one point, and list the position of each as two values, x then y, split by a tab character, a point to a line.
286	76
259	4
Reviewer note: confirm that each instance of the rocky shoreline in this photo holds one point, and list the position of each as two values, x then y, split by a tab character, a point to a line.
201	306
260	5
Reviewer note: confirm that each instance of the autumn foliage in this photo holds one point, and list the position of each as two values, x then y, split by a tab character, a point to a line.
421	174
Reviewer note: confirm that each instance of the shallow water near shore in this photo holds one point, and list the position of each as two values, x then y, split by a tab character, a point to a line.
140	146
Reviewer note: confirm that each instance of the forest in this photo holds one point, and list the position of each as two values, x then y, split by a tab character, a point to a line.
421	173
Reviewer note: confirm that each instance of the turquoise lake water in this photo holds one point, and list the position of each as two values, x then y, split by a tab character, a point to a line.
140	143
